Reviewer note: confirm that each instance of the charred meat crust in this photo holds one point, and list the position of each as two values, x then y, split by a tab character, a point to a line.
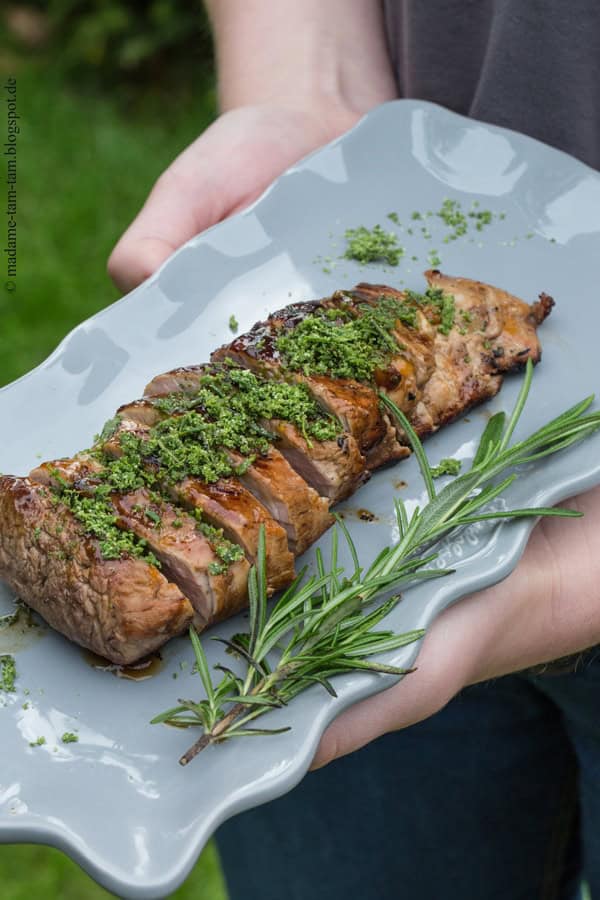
120	609
498	336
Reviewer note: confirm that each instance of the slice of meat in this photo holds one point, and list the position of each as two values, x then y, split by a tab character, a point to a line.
82	468
334	468
356	405
190	558
187	556
121	609
111	445
226	503
182	380
296	506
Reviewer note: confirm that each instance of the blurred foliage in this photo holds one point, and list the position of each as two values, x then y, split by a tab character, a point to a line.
86	166
108	41
30	872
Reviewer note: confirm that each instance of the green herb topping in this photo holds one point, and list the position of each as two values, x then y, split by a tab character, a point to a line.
351	342
233	324
438	306
226	391
227	413
190	444
8	673
69	738
448	466
98	518
375	245
97	515
346	342
227	552
452	215
109	429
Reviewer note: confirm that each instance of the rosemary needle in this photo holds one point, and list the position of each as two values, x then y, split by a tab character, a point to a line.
326	623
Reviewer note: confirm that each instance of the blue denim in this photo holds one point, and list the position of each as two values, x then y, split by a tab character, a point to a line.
497	797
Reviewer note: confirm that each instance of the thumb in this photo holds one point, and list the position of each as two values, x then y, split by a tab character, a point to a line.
223	171
184	201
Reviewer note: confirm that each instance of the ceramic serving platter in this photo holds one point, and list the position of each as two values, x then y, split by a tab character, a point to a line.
117	801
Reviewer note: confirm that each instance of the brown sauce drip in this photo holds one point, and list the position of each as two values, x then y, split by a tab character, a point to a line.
18	629
139	671
365	515
399	485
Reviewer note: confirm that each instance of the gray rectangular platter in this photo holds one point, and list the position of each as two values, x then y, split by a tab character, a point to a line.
117	801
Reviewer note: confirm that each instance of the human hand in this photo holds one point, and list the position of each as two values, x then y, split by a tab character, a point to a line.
223	171
547	608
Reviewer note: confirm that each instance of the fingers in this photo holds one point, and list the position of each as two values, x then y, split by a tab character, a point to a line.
219	173
444	667
546	609
134	260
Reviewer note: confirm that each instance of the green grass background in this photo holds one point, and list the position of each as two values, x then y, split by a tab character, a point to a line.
86	162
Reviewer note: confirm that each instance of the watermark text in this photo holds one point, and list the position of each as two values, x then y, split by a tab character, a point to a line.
10	158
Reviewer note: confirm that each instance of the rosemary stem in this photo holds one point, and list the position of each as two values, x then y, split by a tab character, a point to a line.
222	726
209	736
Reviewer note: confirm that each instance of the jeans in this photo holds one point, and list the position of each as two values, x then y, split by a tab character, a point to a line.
496	797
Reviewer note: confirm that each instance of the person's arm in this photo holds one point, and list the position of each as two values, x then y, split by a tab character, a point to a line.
307	55
549	607
292	76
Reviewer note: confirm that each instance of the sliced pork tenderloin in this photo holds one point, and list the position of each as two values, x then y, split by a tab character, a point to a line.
187	556
227	504
334	468
295	505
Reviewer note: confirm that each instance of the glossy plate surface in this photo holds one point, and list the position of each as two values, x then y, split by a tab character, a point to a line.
117	801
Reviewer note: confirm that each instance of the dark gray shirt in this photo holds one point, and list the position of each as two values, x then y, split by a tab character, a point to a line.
531	65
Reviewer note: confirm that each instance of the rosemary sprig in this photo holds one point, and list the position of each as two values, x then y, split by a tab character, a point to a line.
325	623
